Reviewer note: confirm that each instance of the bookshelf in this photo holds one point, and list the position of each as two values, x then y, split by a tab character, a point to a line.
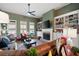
68	20
39	29
39	26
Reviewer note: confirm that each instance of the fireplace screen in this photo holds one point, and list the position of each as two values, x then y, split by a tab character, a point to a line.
46	36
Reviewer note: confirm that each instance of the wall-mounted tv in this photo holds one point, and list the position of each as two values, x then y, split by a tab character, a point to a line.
46	24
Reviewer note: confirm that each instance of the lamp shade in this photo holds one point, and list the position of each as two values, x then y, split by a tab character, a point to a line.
4	17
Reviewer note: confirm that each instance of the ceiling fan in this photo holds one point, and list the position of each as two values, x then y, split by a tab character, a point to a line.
29	12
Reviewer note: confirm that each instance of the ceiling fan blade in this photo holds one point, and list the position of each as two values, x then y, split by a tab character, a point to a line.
32	14
33	11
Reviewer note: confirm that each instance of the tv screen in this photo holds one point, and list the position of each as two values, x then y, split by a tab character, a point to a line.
47	24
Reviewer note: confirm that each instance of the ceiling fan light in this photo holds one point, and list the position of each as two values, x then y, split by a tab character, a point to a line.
28	14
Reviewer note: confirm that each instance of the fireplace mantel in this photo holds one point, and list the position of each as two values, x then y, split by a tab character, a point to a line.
47	30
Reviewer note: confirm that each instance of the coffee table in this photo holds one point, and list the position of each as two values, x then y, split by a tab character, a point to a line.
30	43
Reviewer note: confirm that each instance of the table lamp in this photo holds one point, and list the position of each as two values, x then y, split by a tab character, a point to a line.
4	17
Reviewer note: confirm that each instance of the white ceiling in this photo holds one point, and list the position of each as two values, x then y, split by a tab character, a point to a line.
21	8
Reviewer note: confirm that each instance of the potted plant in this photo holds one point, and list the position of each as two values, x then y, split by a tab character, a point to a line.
31	52
75	50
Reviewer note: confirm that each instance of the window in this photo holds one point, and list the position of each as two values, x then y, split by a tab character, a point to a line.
32	27
23	26
12	27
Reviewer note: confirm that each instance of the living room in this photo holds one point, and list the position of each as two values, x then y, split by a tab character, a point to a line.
40	28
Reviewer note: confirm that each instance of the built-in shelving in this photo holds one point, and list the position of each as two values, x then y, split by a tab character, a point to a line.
39	26
39	29
68	20
59	23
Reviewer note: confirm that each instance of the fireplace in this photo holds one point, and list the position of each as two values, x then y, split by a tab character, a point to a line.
47	34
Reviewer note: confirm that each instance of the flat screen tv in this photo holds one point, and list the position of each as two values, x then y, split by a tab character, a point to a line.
46	24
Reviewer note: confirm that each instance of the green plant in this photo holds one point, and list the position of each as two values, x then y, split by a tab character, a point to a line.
75	50
31	52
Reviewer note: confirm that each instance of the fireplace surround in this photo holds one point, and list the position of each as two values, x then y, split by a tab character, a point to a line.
47	34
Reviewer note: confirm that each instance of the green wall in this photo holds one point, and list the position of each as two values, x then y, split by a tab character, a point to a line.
67	8
17	17
48	15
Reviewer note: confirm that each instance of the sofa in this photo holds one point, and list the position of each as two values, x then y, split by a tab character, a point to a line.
42	50
6	42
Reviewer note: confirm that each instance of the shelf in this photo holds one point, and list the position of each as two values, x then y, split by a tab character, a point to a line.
68	20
